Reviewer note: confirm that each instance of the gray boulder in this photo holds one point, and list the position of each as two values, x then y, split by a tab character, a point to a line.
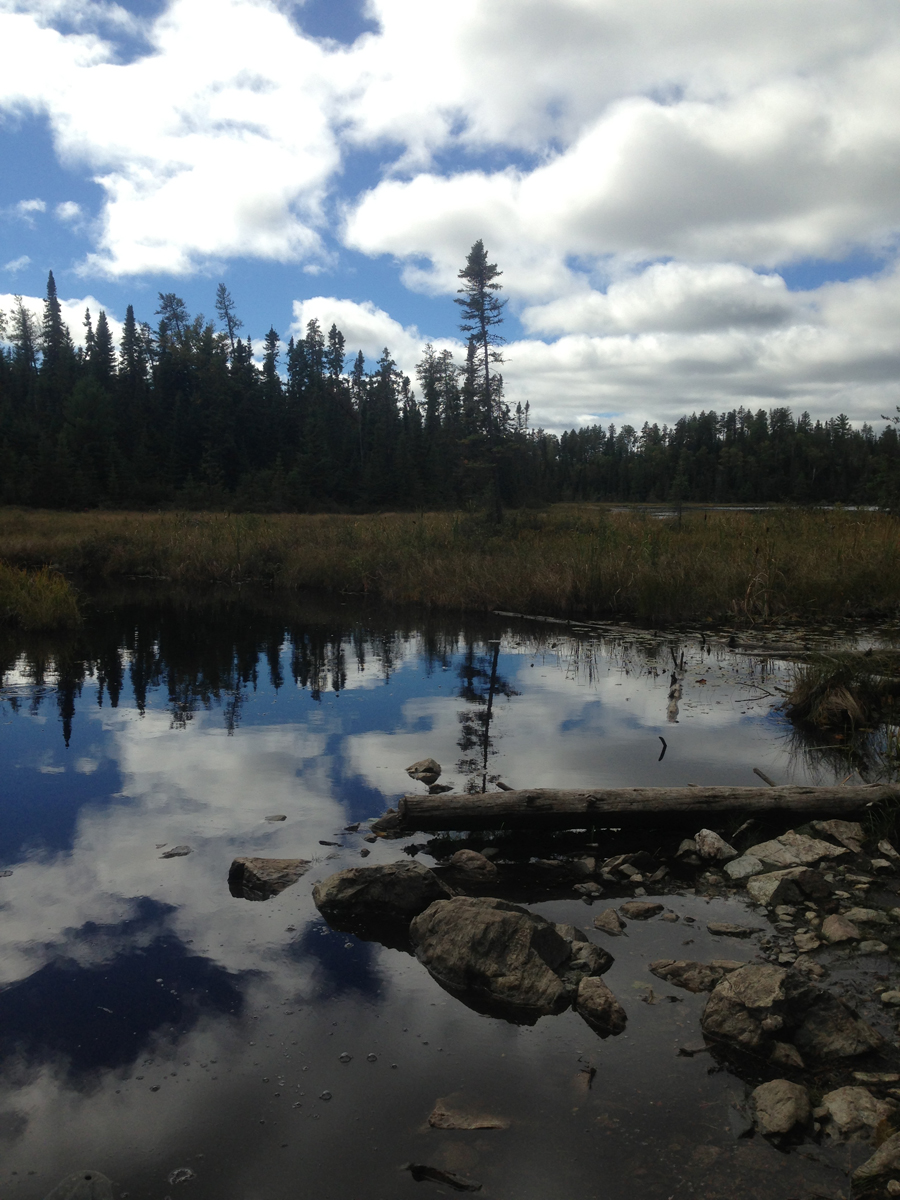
779	1106
853	1113
398	889
500	958
262	878
472	864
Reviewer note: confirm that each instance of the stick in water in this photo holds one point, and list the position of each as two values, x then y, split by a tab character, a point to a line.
764	777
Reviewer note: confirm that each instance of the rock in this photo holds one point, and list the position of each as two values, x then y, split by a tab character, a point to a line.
787	886
830	1030
640	910
610	922
500	958
399	889
778	1106
83	1185
794	850
471	863
589	891
854	1113
599	1007
743	868
748	1007
872	946
883	864
262	878
710	845
786	1055
693	976
426	769
892	999
809	966
873	1177
806	942
177	852
724	929
446	1115
459	1183
276	817
437	789
848	833
688	846
836	928
887	849
867	916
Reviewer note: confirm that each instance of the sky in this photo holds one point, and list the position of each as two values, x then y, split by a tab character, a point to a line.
694	205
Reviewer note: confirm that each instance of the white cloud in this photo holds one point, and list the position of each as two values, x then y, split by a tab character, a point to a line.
17	264
68	211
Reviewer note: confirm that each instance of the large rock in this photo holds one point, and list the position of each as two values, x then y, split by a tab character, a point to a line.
848	833
794	850
779	1106
640	910
473	865
502	959
788	886
693	976
836	928
830	1030
599	1007
262	878
399	889
756	1006
872	1178
426	770
710	845
854	1113
743	868
610	922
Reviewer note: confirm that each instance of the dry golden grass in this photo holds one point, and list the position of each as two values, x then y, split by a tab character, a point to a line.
37	600
573	560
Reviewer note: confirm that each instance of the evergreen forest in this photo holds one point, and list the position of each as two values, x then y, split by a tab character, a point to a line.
186	413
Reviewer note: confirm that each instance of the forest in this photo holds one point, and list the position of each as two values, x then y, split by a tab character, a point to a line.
185	413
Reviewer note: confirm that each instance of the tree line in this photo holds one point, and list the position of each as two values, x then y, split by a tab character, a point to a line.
184	413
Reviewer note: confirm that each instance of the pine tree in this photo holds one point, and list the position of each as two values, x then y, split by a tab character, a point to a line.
226	314
482	312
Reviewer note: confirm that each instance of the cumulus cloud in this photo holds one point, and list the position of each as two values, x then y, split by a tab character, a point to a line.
68	211
367	328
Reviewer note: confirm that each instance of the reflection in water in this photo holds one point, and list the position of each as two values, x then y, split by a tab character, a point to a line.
149	1021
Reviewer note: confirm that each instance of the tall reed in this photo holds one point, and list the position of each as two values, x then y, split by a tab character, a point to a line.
37	600
572	560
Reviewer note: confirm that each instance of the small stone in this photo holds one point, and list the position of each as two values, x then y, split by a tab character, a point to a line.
805	942
423	768
710	845
177	852
277	817
743	868
872	946
474	864
882	864
786	1055
778	1106
836	928
640	910
610	922
688	846
809	967
598	1006
671	917
364	853
892	999
887	849
446	1115
867	916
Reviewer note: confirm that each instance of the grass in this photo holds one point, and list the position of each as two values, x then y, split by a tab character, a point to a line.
570	560
846	688
37	600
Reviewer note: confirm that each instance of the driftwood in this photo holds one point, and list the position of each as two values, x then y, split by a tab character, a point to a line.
550	808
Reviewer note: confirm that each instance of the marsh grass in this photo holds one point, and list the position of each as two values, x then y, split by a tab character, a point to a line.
570	560
37	600
846	688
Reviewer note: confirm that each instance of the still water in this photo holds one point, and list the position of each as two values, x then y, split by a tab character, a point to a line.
150	1022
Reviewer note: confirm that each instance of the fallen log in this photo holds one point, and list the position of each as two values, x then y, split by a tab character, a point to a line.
551	808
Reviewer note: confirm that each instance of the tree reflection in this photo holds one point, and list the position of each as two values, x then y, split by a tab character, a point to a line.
481	684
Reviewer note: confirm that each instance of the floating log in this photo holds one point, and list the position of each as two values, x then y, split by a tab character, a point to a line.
551	808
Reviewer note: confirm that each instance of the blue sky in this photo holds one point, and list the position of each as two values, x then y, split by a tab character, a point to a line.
694	205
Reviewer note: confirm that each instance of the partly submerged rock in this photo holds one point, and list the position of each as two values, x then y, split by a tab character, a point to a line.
473	864
726	929
610	922
743	868
177	852
83	1185
778	1106
596	1003
693	976
398	890
449	1113
836	928
459	1183
426	769
854	1114
640	910
502	959
788	886
755	1006
261	878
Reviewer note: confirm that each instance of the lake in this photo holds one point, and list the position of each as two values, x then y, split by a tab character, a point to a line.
183	1041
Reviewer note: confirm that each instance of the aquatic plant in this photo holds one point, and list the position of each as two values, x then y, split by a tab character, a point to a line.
37	600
